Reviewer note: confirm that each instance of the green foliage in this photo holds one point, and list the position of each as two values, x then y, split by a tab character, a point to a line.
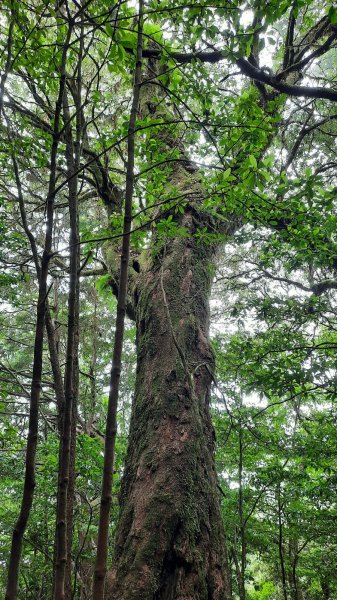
261	190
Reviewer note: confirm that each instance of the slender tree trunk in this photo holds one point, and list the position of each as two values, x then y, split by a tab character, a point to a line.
240	580
72	476
56	368
111	424
92	370
294	584
280	544
74	153
66	482
241	565
325	585
29	482
50	328
9	58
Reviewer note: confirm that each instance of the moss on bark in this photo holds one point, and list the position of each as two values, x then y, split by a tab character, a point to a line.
170	542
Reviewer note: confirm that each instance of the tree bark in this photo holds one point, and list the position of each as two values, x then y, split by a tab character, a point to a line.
240	566
240	580
326	588
111	423
280	543
68	594
170	541
66	479
294	583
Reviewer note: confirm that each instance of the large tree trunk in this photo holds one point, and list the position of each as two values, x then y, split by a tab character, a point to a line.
170	540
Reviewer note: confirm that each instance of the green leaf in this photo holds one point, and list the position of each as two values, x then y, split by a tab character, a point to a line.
332	14
109	29
103	282
252	161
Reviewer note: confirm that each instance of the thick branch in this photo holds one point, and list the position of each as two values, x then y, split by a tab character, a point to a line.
316	288
285	88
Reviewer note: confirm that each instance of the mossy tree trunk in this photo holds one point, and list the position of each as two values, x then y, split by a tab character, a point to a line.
170	540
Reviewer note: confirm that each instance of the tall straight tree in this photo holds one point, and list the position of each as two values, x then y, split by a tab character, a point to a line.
68	435
29	484
111	424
